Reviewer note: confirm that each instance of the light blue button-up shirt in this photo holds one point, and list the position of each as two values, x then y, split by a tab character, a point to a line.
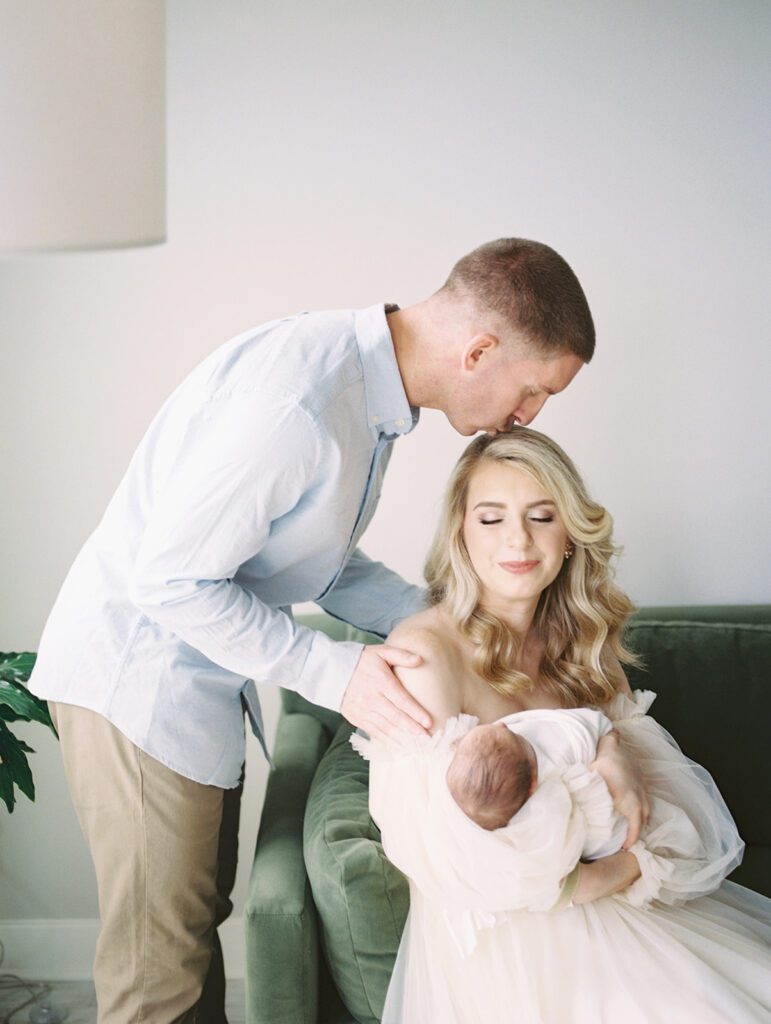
248	494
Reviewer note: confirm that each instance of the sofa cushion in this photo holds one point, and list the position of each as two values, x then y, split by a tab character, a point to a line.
361	898
282	941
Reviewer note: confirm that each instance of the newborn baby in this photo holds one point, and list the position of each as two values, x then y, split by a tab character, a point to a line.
497	767
492	774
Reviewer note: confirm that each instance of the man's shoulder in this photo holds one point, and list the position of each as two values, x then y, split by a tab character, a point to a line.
306	359
311	341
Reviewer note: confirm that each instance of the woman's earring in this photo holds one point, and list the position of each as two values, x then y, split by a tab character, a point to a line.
569	551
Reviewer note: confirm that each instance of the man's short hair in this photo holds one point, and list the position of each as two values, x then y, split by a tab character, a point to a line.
533	289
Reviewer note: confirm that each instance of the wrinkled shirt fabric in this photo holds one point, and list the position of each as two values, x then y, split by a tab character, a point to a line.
248	493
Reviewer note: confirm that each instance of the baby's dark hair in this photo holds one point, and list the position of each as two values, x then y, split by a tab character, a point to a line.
490	777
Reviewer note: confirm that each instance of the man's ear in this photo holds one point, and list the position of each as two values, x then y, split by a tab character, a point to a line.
479	348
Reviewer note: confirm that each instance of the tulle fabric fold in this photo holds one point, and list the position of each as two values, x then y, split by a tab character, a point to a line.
705	962
690	843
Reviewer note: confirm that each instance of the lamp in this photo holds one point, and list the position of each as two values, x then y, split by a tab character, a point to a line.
82	124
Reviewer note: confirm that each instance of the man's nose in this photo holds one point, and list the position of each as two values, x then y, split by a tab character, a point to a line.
529	409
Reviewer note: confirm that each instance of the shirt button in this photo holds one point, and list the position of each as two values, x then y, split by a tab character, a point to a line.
375	419
400	423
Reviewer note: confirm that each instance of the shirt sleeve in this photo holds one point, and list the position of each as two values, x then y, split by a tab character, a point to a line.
371	597
244	463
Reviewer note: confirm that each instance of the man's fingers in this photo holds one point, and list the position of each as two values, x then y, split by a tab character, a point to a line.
405	716
377	727
398	656
385	721
396	710
405	705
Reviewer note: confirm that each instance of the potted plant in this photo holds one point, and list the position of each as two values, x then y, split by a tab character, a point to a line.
17	704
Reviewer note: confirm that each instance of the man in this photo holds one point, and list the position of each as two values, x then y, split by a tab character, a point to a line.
248	494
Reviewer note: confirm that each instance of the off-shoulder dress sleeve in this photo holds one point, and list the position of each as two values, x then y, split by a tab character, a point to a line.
690	843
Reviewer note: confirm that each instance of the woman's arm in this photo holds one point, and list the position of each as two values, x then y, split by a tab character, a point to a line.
605	876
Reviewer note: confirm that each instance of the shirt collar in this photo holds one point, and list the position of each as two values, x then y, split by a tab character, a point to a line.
389	414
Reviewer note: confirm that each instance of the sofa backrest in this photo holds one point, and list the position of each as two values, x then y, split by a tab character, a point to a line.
710	668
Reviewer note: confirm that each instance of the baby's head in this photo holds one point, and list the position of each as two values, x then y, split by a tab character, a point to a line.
492	774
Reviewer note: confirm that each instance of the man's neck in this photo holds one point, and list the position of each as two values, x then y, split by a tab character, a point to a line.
425	337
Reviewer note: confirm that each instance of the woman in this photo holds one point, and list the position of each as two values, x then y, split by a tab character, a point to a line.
524	614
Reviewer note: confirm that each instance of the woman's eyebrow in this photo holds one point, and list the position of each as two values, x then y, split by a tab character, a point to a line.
502	504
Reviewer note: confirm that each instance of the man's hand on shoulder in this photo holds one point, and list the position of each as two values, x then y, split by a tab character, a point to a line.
376	701
417	694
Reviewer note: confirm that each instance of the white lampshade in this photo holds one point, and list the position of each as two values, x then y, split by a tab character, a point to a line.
82	124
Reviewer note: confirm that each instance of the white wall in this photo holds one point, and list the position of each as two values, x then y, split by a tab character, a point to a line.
343	153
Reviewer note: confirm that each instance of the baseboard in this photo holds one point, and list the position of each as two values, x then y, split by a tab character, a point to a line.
63	950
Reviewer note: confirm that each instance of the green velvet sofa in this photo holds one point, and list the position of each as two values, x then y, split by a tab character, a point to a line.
710	668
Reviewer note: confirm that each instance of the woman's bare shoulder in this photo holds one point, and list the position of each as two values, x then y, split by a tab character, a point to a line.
435	682
428	628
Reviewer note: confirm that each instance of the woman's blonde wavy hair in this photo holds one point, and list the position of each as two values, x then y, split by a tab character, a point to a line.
580	615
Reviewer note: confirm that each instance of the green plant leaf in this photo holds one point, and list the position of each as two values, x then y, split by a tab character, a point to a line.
17	666
17	704
9	715
6	788
24	704
13	757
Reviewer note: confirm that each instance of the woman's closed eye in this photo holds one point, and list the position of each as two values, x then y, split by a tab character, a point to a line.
532	519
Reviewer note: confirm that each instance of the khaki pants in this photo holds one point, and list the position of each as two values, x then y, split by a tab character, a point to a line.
164	849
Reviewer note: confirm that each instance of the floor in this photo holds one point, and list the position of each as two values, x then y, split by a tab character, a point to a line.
77	1000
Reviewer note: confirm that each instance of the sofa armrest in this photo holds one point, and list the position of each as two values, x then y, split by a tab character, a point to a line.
282	943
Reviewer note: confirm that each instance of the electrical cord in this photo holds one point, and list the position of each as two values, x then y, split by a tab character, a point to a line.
10	983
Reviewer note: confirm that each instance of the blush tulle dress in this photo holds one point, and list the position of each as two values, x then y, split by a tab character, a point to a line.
489	937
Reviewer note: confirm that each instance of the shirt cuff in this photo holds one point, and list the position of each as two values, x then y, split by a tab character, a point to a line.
328	670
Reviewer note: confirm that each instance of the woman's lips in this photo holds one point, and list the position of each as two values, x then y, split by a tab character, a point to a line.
518	568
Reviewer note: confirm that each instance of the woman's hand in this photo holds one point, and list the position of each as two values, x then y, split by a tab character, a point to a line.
625	783
605	876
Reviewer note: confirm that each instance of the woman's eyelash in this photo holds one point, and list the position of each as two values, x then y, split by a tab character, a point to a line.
533	519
